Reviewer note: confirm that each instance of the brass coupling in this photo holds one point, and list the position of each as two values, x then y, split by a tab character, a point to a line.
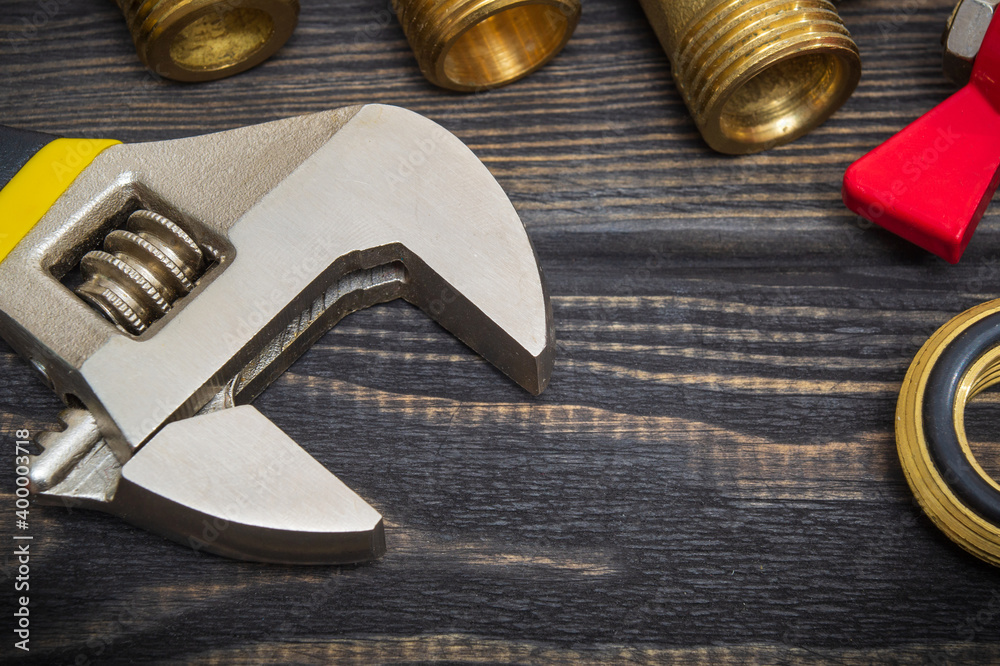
203	40
958	362
471	45
756	74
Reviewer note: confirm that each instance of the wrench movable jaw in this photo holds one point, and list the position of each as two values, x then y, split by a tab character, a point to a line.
232	483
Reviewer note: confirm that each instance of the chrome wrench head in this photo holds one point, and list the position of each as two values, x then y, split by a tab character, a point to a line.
307	220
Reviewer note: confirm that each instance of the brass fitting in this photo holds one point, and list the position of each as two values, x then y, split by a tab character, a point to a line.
203	40
471	45
958	362
757	73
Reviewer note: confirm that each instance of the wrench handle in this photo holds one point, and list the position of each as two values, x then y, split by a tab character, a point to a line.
17	146
35	170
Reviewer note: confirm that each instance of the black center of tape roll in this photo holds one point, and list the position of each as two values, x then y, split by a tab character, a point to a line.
16	148
939	424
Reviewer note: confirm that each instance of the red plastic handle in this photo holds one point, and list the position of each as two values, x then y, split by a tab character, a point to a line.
932	182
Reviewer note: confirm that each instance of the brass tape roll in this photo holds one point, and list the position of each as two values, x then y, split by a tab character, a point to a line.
961	359
471	45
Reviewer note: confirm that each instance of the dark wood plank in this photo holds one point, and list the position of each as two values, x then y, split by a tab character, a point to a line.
711	476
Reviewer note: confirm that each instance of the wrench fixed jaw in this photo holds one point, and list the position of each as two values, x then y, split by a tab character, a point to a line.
527	365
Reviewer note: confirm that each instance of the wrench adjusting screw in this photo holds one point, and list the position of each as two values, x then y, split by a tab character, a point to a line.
141	271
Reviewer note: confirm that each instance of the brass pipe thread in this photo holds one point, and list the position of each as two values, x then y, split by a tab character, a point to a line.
471	45
945	506
203	40
756	74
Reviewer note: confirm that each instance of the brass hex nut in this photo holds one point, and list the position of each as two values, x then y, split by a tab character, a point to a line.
964	36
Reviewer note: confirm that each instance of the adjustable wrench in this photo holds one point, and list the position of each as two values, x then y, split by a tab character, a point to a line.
202	268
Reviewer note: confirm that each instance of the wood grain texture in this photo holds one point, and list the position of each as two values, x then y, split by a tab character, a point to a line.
711	476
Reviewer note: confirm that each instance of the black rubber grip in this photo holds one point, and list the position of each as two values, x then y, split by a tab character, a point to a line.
939	422
17	146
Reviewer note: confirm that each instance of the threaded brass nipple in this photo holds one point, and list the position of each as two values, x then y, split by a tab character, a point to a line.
757	73
202	40
471	45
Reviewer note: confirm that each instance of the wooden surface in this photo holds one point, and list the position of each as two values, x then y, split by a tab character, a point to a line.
711	476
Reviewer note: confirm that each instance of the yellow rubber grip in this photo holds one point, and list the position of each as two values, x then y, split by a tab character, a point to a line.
39	183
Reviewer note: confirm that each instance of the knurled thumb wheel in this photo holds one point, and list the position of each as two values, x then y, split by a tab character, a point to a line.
961	359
